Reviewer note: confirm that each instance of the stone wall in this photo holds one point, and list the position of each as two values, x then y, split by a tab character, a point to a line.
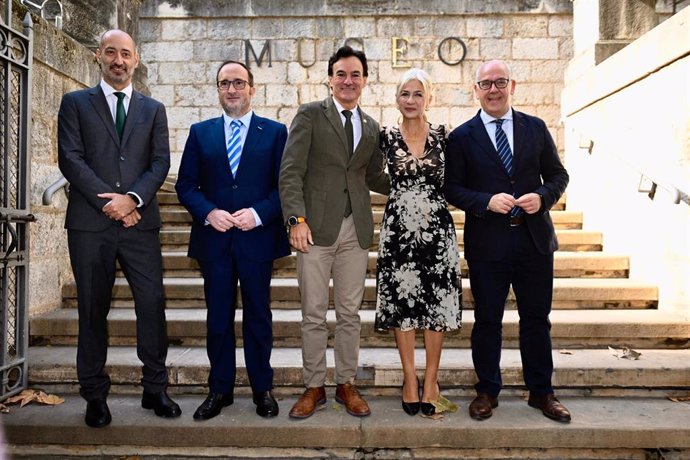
183	42
60	65
625	118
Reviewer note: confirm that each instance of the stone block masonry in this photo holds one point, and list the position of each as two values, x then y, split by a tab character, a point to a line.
182	46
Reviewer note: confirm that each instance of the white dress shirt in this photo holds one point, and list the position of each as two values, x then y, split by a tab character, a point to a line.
507	127
356	122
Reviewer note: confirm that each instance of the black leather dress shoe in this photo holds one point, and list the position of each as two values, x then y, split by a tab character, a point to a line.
212	405
97	413
161	404
482	406
550	406
266	404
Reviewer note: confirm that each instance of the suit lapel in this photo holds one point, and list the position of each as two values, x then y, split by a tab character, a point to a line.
333	117
136	104
99	103
481	137
520	129
216	134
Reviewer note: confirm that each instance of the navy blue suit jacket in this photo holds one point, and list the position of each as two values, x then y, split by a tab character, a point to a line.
474	173
205	182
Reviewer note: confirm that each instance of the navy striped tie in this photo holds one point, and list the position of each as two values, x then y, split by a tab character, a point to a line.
506	155
234	146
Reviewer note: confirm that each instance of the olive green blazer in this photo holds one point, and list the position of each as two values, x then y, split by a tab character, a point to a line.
317	173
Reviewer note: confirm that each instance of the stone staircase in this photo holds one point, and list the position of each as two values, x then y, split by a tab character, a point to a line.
620	407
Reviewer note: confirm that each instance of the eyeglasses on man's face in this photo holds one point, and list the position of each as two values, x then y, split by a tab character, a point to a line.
238	84
500	83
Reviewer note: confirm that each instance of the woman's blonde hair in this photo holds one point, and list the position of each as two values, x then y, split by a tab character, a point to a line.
422	77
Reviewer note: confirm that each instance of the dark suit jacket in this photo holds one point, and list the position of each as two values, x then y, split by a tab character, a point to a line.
94	160
317	172
205	182
474	173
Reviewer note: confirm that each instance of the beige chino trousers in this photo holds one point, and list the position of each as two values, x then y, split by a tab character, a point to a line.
346	261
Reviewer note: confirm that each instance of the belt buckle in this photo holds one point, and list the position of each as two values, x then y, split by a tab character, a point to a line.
516	221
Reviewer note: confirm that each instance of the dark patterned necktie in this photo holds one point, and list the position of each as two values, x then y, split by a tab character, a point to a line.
120	115
506	155
349	132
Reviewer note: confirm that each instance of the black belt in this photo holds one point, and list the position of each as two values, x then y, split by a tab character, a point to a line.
516	220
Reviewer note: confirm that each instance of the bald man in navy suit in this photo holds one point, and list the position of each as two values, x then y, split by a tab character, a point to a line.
503	170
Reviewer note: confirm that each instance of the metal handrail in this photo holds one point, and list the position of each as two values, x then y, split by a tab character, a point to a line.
52	188
649	181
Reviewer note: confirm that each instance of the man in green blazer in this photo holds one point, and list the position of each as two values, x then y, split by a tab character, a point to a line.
331	162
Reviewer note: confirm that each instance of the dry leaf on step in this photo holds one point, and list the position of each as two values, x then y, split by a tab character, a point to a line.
27	396
679	398
626	353
565	352
4	409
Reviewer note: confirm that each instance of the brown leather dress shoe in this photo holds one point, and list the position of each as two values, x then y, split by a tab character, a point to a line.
550	406
480	408
347	395
310	400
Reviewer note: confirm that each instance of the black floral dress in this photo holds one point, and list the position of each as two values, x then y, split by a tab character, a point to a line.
418	273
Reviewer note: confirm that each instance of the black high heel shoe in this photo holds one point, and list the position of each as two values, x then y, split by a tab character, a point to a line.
411	408
428	409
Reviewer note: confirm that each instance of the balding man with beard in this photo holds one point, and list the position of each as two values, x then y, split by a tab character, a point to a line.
113	148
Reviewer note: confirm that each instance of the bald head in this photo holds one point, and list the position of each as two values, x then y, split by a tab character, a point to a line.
117	57
496	90
493	63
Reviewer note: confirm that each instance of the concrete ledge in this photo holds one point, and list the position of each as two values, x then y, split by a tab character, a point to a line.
597	423
627	66
380	368
572	329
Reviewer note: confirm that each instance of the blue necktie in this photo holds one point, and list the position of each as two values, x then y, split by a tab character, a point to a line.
506	155
235	146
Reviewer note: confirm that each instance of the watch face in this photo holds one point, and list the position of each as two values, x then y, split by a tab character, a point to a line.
292	221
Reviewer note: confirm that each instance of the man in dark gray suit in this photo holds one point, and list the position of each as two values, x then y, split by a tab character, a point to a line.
114	150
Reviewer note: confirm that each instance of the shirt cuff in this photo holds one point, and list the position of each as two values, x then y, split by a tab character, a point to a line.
137	198
256	218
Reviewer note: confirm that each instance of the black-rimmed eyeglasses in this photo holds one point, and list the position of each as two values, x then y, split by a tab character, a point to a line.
500	83
237	84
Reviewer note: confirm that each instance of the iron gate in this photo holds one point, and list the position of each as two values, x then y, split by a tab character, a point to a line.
15	118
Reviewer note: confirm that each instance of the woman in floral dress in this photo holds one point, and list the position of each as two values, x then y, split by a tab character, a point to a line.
418	274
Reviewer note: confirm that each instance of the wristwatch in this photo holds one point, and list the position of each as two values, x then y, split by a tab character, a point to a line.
294	220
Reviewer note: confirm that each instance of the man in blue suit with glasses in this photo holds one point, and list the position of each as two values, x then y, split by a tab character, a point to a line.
228	181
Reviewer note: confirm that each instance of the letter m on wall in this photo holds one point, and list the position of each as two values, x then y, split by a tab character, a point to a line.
266	50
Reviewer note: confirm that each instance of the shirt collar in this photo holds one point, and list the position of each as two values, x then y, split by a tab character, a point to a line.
340	108
245	119
108	90
486	118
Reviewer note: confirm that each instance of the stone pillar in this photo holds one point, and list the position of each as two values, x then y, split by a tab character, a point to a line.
603	27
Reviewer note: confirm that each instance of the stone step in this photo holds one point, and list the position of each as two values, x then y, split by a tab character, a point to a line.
571	329
177	238
568	293
561	219
566	265
602	428
54	367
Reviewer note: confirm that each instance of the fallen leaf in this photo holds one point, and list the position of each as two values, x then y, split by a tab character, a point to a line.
444	405
4	409
565	352
433	416
626	353
27	396
679	398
